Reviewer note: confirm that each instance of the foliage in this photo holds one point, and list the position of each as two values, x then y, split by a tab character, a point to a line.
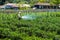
2	2
45	27
31	1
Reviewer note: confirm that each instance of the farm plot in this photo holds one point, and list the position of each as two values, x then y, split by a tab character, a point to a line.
45	27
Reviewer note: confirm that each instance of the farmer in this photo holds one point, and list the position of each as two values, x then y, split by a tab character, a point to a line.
19	15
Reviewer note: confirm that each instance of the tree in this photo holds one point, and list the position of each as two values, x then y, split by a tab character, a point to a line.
2	2
56	2
42	1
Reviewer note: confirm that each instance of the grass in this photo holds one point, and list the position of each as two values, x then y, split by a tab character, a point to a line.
45	27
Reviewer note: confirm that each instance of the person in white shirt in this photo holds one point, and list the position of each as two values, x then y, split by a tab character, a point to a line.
19	15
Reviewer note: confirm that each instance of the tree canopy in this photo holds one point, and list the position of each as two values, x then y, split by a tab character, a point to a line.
55	2
2	2
31	1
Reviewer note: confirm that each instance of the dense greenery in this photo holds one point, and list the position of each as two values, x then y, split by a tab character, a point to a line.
45	27
2	2
31	1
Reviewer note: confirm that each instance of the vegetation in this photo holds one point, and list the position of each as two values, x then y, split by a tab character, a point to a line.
45	27
31	1
2	2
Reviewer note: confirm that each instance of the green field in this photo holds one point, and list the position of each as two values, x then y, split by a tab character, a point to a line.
45	27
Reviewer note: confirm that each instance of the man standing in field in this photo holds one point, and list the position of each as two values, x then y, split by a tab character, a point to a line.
19	15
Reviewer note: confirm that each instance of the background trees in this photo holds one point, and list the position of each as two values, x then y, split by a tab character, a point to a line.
2	2
55	1
31	1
